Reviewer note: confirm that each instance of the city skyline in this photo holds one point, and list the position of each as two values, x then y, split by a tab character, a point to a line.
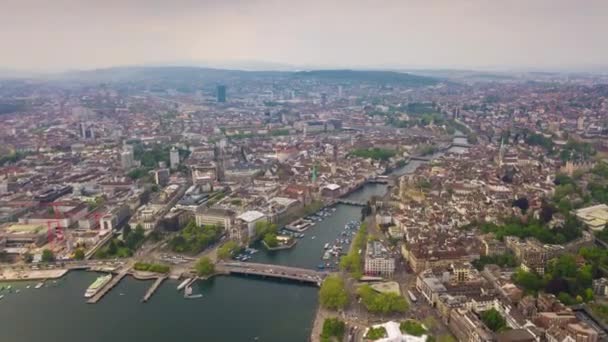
67	35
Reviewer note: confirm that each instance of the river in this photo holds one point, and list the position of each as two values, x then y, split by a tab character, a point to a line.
232	308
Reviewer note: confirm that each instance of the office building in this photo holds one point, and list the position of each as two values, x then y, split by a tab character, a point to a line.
161	177
221	93
378	260
174	158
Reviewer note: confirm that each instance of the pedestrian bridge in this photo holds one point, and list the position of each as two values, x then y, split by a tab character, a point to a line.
273	271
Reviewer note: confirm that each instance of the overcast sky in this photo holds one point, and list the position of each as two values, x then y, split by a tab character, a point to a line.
77	34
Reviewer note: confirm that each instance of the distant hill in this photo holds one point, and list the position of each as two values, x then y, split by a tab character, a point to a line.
208	75
380	77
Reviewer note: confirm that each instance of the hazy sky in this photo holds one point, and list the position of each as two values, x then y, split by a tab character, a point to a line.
70	34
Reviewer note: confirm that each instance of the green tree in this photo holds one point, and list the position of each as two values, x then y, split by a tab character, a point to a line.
446	338
271	240
530	281
227	250
375	333
381	302
28	257
48	256
204	267
493	320
332	294
112	247
333	328
126	231
412	328
79	254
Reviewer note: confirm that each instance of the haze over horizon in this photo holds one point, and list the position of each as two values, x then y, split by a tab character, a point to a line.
473	34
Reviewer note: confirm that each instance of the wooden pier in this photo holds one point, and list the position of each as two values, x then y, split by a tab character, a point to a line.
153	288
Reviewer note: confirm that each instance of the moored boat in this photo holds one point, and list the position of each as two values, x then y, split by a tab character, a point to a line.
99	283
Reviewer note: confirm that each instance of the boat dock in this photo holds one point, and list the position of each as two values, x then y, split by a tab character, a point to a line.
153	288
97	297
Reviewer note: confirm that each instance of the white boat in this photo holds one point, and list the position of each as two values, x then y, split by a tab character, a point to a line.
183	284
39	285
27	287
1	296
99	283
326	245
313	237
188	293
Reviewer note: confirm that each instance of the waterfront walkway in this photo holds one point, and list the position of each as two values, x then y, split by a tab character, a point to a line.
273	271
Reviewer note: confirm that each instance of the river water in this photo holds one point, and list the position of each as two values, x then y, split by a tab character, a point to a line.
232	308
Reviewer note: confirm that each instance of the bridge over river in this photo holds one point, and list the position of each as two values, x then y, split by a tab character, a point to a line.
273	271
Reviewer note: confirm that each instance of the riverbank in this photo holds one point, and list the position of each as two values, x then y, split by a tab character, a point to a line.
27	275
317	325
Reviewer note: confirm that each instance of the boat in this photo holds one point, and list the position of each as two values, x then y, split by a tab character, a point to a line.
1	296
188	293
183	284
320	266
39	285
99	283
326	245
313	237
27	287
8	288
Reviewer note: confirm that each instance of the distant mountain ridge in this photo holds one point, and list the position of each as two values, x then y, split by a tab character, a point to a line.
387	77
199	74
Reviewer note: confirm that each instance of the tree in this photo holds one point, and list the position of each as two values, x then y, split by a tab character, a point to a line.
446	338
493	320
375	333
47	256
332	294
79	254
135	237
204	267
381	302
126	231
412	328
226	251
263	228
333	327
531	282
28	257
271	240
112	247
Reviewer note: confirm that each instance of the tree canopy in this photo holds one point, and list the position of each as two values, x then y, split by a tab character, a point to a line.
493	320
381	302
333	328
47	256
194	238
204	267
332	294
